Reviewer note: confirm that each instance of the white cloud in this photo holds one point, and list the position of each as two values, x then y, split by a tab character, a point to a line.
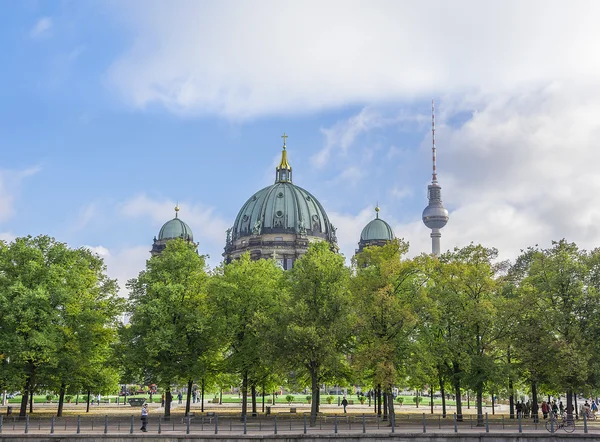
10	184
207	225
349	227
245	59
401	192
124	263
41	27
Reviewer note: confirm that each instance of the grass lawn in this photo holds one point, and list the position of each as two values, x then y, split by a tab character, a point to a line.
235	399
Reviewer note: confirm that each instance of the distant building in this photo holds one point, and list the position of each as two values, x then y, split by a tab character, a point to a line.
376	233
172	229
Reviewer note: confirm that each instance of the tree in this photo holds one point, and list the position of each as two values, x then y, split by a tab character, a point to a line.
172	329
247	294
49	294
385	295
561	298
89	328
466	286
318	319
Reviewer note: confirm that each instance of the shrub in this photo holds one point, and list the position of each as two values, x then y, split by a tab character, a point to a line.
289	399
400	400
417	399
49	397
329	399
68	398
309	399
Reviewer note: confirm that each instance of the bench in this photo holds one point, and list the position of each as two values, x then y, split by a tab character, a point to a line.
136	401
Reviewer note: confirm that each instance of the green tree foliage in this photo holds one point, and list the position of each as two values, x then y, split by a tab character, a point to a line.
560	300
56	305
247	297
466	288
385	294
318	319
172	331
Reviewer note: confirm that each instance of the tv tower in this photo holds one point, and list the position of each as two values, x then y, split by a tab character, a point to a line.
435	216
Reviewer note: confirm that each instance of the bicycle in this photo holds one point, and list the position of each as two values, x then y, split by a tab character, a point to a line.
565	423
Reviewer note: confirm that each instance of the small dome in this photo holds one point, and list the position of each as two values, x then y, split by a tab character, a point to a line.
377	230
176	229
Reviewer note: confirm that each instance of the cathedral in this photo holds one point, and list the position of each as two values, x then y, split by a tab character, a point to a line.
280	221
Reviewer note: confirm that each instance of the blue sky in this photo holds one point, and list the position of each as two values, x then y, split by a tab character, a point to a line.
111	112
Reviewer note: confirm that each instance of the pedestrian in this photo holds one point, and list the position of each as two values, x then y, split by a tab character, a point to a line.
345	403
98	399
519	408
545	409
180	397
162	400
144	417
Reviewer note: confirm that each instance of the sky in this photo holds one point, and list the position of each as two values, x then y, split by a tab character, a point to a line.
113	112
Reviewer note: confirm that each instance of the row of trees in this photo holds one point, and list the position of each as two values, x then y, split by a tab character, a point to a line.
461	321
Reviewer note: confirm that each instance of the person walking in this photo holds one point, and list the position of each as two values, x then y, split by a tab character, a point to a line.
144	417
345	403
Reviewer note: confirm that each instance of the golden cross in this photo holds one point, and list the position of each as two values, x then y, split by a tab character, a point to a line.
284	136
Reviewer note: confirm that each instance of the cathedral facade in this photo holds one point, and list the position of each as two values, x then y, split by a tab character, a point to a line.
278	222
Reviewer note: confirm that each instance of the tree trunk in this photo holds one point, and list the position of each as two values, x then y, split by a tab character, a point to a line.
390	407
378	399
431	398
314	406
87	407
61	400
244	394
385	406
31	400
459	415
25	397
511	399
576	408
221	396
493	404
570	404
534	402
417	397
480	422
168	399
253	393
263	398
443	392
188	399
202	397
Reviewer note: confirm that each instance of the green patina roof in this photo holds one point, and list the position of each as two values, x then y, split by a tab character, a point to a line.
282	208
377	229
176	229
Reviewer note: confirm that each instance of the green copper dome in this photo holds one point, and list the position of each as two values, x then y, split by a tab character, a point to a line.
377	230
176	229
283	208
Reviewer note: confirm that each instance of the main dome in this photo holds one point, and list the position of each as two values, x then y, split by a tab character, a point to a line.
279	222
282	208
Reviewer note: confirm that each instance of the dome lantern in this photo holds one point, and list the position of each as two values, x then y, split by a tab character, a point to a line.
283	172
